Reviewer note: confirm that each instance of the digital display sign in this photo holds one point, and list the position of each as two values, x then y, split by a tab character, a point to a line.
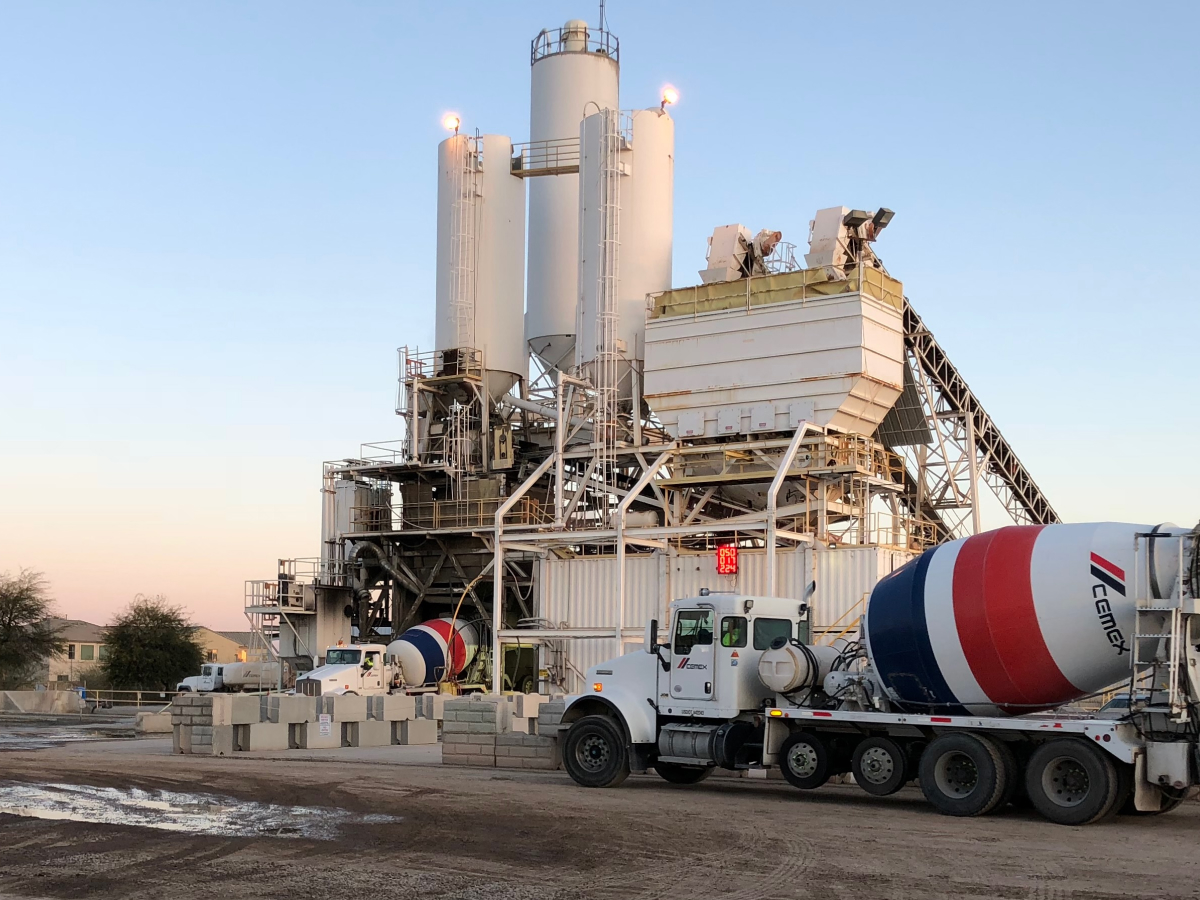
727	559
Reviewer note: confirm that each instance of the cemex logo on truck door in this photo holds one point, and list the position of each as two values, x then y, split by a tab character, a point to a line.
683	664
1110	576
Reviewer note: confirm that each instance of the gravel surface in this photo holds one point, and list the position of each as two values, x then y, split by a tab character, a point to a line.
497	834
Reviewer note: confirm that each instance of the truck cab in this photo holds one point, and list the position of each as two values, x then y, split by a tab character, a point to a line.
354	669
699	687
209	680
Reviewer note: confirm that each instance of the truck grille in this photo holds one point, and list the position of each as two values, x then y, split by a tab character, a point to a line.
310	687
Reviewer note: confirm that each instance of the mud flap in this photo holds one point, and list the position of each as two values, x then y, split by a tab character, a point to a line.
775	733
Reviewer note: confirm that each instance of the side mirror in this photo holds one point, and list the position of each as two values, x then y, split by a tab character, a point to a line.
652	636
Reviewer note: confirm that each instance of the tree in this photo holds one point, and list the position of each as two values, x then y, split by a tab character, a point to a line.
28	636
151	646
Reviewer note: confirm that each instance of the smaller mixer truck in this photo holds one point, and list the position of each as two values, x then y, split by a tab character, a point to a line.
959	678
420	660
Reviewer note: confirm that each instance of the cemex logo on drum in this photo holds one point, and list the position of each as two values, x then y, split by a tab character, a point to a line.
1110	576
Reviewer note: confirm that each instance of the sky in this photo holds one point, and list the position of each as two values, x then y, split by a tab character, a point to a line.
217	226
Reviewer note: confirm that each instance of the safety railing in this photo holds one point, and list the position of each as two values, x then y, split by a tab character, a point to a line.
552	157
574	39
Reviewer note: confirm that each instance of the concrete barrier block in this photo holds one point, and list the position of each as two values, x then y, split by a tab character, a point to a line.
262	736
410	732
221	740
222	709
290	710
181	739
152	723
432	706
349	709
308	736
396	708
371	733
523	725
525	706
246	710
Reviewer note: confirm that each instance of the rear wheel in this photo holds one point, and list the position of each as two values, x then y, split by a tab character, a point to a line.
963	775
804	760
880	766
677	773
1071	783
594	752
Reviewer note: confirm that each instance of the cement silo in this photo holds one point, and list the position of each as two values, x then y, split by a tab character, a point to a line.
481	256
575	73
632	242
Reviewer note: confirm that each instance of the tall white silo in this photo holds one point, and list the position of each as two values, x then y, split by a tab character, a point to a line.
644	226
575	73
481	256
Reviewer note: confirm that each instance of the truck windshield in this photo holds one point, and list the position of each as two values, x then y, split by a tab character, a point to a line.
692	627
206	670
766	630
342	656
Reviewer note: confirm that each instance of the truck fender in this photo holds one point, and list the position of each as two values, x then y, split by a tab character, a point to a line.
638	718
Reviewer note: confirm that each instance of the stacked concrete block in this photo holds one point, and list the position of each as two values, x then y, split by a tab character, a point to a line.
469	730
262	736
527	751
192	725
549	719
348	708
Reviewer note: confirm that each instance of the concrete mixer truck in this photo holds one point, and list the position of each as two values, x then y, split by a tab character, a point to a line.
958	679
422	659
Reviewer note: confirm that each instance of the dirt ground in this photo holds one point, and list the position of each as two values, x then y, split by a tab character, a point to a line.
534	836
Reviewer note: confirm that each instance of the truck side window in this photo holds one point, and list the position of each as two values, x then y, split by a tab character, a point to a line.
733	631
766	630
692	627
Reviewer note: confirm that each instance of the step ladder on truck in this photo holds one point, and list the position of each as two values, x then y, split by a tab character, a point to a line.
960	678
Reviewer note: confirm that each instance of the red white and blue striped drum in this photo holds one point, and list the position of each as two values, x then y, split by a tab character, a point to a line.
434	651
1016	620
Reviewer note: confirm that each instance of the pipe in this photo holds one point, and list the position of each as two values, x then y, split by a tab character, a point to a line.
622	508
359	546
541	409
785	465
498	567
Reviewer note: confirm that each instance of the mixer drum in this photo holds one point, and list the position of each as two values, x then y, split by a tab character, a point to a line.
1012	621
434	651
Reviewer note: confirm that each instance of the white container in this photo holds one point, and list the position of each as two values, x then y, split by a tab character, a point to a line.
568	82
645	225
481	256
844	354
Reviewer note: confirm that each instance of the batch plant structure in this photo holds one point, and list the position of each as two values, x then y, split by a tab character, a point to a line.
585	443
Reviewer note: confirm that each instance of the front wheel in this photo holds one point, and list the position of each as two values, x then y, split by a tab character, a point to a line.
594	752
681	774
1071	783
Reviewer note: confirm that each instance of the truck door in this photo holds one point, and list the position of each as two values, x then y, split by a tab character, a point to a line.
372	678
692	655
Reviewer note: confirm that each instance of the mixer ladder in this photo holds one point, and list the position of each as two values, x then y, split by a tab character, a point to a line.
1159	642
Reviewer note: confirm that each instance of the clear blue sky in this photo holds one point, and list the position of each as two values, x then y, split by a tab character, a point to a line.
217	224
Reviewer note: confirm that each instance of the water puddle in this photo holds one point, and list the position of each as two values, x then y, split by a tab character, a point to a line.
174	811
17	738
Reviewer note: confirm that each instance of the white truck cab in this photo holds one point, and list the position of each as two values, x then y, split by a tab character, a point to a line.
209	680
677	700
357	669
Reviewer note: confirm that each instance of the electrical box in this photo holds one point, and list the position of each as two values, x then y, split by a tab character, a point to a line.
762	417
691	424
801	411
729	420
502	447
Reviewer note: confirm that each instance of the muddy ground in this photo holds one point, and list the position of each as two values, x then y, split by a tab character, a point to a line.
499	834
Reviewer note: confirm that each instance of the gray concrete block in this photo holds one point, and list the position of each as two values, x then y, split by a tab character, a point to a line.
245	710
371	733
432	706
525	706
221	741
414	731
289	710
450	726
398	707
221	710
307	736
181	739
262	736
349	709
483	740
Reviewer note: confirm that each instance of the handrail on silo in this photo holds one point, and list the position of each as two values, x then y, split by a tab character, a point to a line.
552	41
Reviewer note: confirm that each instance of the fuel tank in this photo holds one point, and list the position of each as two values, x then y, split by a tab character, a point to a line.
1016	620
434	651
